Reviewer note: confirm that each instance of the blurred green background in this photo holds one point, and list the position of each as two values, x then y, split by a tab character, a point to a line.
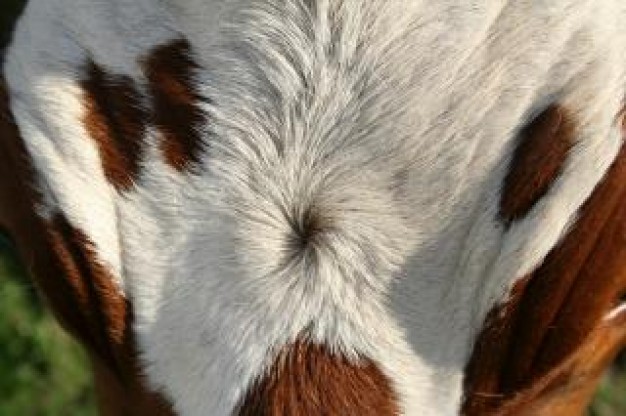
44	373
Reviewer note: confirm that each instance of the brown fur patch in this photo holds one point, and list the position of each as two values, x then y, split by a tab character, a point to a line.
120	385
543	340
93	288
116	119
77	287
308	379
567	388
483	373
590	259
169	69
537	161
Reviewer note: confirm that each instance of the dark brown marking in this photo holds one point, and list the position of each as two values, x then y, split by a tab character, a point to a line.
120	384
116	119
483	373
592	252
93	287
607	262
308	379
74	283
537	161
546	348
567	388
170	69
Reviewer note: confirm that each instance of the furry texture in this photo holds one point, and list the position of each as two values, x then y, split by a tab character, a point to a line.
350	181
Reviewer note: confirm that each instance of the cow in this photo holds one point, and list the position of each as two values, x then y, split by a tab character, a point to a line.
324	207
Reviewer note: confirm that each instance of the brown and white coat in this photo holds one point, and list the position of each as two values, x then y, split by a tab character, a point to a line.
290	207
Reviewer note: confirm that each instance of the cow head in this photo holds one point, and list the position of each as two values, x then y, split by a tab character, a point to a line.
296	208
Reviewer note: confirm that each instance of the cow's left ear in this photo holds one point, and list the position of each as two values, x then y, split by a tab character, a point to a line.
51	250
78	288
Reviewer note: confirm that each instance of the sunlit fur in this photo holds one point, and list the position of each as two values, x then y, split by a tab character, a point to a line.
388	123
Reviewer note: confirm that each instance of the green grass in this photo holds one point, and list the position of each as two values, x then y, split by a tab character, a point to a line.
610	398
42	371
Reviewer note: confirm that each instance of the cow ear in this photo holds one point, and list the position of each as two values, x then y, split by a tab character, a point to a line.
543	351
52	252
78	288
21	228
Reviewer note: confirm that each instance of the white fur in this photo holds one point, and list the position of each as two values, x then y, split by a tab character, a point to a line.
395	120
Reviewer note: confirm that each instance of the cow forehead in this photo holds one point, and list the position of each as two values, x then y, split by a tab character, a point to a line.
371	180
